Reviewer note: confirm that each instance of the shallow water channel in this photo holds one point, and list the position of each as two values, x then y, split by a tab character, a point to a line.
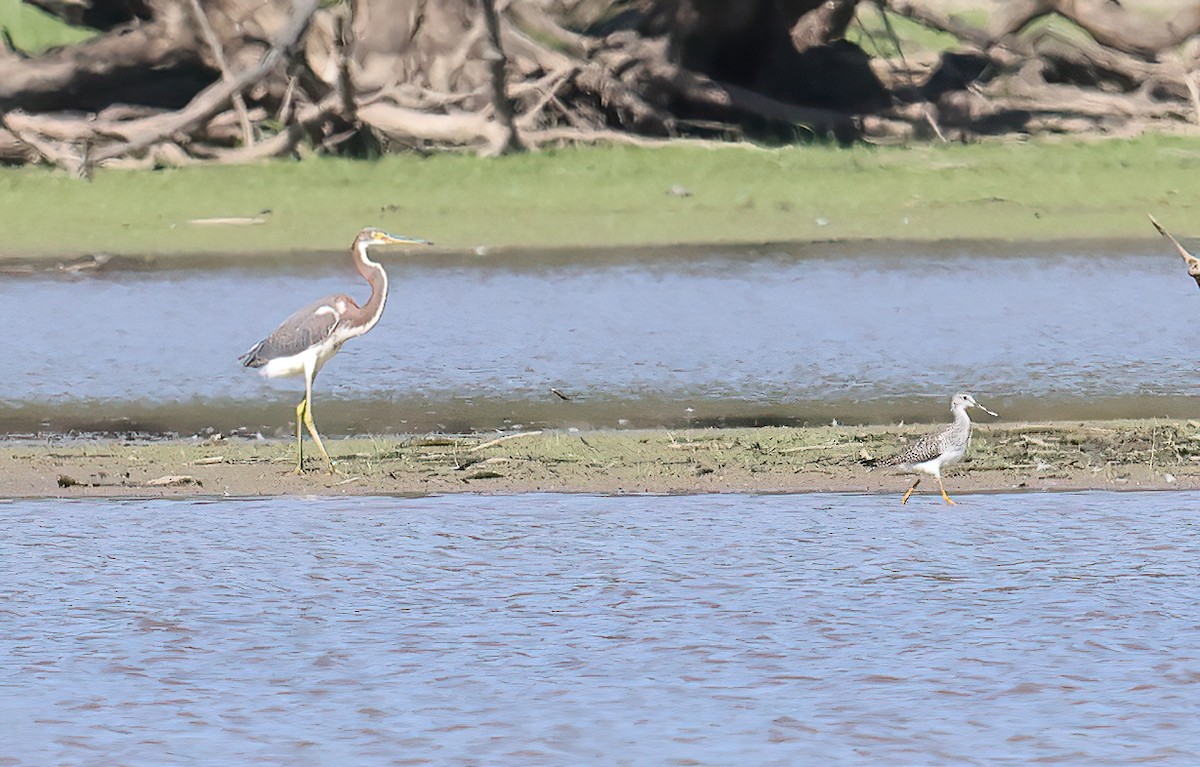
550	630
784	334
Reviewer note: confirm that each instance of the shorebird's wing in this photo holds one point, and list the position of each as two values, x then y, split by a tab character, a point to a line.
304	329
926	448
1193	263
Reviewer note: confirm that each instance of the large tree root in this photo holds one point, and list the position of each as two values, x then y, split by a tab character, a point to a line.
279	78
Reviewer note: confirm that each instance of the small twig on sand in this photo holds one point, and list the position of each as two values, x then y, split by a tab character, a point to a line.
505	438
802	448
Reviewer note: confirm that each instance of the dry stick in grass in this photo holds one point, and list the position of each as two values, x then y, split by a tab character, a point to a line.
505	438
804	448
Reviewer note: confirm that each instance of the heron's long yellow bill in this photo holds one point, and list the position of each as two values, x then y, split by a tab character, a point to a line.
399	239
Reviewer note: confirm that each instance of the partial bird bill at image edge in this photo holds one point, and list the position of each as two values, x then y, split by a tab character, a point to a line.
1192	262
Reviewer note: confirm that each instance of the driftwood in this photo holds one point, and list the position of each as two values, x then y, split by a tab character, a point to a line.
240	80
1114	72
218	54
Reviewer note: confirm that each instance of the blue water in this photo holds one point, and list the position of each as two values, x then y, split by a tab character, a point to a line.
552	630
768	328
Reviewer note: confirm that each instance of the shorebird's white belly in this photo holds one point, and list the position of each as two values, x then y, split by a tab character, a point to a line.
934	466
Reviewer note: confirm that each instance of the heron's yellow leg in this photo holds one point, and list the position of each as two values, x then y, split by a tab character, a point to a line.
945	497
300	411
312	429
910	491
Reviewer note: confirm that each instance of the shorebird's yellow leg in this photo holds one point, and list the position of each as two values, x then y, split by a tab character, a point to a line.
312	429
304	415
910	491
300	410
945	497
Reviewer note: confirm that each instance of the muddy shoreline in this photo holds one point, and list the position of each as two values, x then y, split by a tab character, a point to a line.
1154	454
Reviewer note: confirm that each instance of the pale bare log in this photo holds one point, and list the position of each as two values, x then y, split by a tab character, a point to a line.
413	127
35	83
566	136
56	127
934	19
1110	23
1091	103
1093	60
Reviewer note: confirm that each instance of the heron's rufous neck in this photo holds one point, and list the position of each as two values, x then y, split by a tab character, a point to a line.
370	312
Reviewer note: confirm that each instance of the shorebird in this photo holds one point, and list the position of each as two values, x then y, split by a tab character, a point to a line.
939	448
1193	263
304	342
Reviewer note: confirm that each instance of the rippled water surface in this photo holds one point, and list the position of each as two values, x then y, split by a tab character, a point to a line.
771	333
551	630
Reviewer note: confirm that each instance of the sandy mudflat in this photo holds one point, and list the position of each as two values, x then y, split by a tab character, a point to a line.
1102	455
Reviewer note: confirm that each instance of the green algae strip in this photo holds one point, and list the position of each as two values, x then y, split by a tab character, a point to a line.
1110	455
614	196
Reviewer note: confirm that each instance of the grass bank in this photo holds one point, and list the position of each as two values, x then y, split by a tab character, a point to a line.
1102	455
613	196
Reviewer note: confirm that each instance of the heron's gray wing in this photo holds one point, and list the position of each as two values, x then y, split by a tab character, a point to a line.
926	448
305	328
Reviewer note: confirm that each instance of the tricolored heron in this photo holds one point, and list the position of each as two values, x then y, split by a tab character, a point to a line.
304	342
940	448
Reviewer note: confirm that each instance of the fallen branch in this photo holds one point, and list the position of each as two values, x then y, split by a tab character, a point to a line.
214	46
140	134
414	127
46	81
286	141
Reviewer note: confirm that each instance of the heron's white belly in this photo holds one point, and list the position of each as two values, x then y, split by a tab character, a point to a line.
295	365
